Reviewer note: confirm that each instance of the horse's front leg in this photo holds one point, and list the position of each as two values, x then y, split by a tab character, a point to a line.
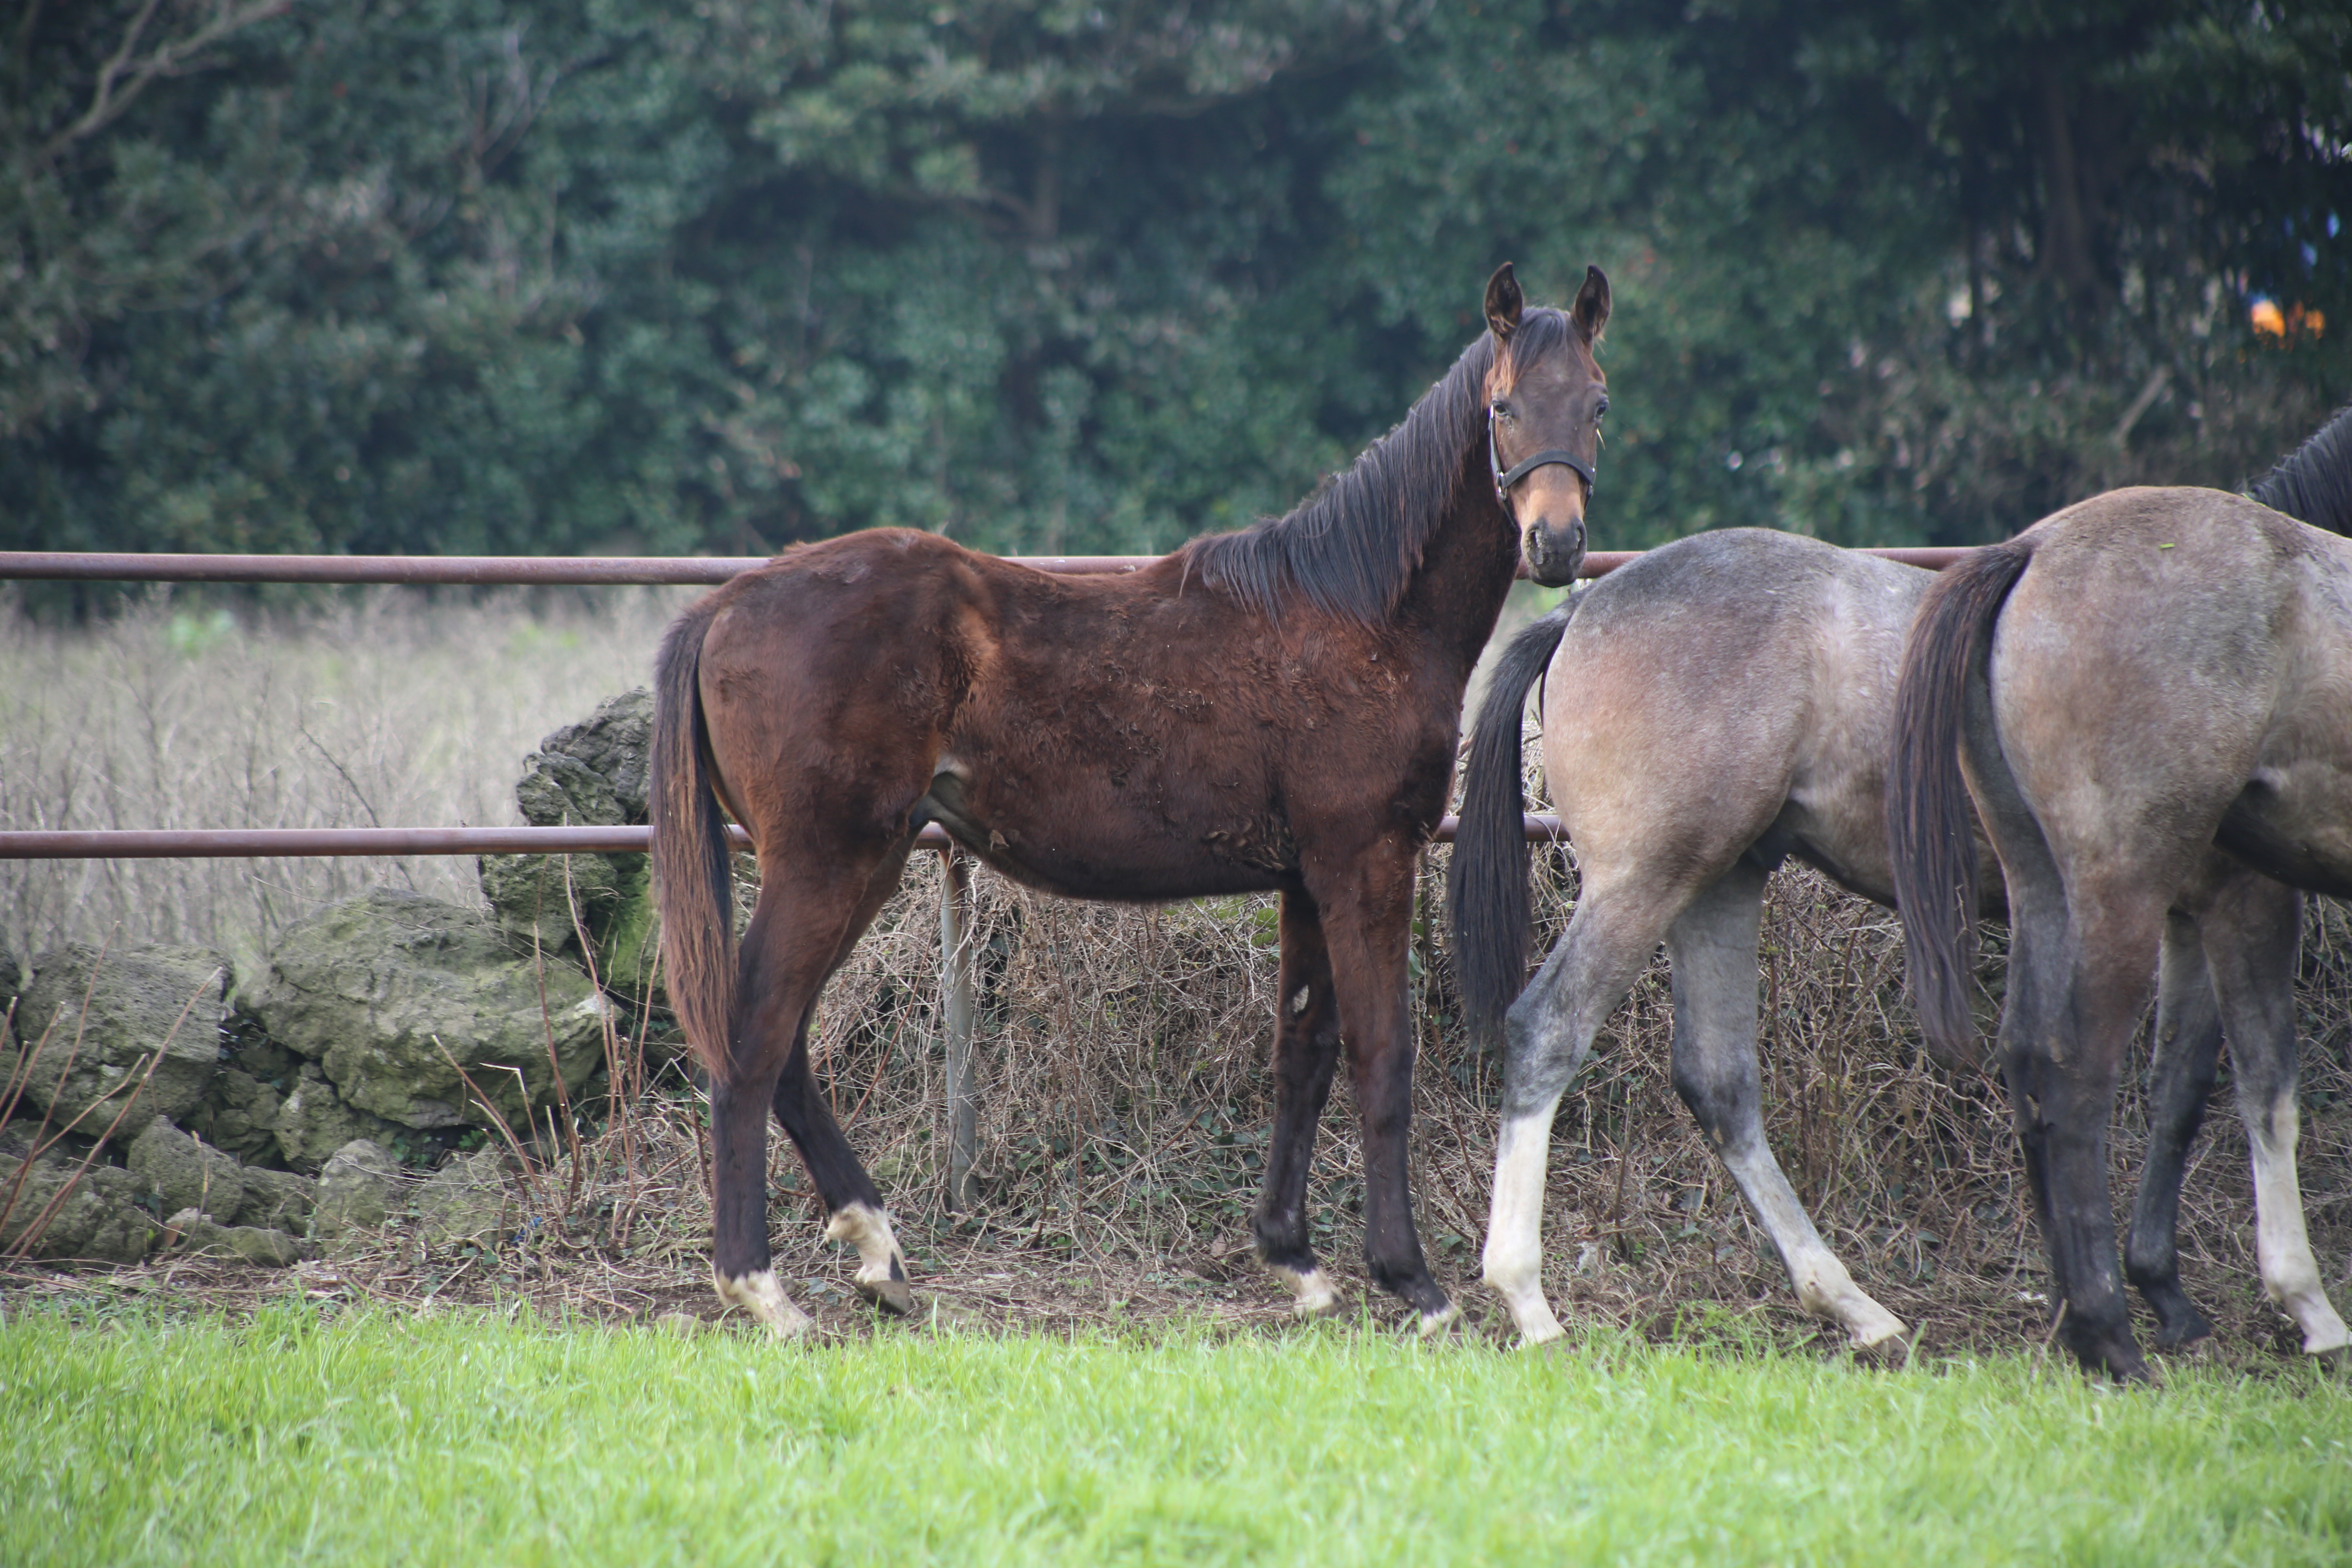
1306	1053
1367	926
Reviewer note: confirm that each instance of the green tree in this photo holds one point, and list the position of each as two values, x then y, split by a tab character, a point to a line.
471	275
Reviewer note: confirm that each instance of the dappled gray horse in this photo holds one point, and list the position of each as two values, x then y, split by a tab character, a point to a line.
1709	709
2149	697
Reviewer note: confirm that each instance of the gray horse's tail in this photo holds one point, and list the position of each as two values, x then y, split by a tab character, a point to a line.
1486	884
1929	820
693	874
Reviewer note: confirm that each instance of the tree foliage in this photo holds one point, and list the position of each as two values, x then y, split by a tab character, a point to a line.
475	274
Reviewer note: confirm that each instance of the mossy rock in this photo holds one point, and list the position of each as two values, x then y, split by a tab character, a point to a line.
239	1110
135	998
313	1121
99	1221
592	774
400	999
175	1171
359	1190
467	1200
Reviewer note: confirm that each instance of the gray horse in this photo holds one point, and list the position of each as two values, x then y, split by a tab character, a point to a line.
1714	708
1710	709
2149	696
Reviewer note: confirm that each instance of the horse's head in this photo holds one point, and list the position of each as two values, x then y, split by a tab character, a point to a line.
1545	398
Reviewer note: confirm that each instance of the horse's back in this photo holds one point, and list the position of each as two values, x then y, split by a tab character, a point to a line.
1729	685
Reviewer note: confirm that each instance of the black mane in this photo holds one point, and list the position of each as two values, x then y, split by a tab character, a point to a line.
2314	483
1351	547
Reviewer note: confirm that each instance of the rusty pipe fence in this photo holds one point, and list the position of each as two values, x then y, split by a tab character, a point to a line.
956	966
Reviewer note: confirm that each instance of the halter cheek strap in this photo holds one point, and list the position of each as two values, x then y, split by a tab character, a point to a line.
1506	478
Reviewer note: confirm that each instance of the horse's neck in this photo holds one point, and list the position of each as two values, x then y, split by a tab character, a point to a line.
1466	572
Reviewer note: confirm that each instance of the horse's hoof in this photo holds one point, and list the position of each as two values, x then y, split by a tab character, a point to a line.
892	1296
2180	1333
1437	1322
1885	1329
2124	1365
1311	1295
763	1296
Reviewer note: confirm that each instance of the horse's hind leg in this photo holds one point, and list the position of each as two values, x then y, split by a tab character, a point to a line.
1547	1035
1306	1053
788	950
2078	976
848	1192
1712	948
2188	1047
2253	935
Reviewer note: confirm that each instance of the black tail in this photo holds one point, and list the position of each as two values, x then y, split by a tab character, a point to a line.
694	875
2313	483
1929	820
1486	884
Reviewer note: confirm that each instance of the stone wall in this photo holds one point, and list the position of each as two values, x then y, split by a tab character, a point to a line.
157	1099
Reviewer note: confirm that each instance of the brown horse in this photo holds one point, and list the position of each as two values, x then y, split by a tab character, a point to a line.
1272	709
2149	696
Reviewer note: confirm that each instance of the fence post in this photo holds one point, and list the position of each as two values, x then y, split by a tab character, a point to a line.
956	956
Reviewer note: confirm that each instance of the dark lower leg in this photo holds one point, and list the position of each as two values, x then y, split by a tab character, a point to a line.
2188	1047
2061	1071
1368	971
1305	1054
1382	1077
738	1174
801	1109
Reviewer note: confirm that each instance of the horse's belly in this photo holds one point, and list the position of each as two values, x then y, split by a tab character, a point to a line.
1088	843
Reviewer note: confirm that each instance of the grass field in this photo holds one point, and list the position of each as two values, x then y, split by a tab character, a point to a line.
482	1437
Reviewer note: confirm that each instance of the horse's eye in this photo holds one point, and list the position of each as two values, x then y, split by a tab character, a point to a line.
1599	412
1503	411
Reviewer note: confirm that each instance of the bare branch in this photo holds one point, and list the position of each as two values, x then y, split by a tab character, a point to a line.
128	73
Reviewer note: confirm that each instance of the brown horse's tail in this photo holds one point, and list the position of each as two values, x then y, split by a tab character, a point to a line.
1486	884
692	869
1930	821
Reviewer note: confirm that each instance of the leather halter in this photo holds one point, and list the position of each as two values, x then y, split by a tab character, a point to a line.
1505	479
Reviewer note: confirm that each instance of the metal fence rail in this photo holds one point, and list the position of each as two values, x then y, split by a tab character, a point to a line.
559	571
295	843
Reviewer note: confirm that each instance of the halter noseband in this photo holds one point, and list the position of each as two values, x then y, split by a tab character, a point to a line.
1505	479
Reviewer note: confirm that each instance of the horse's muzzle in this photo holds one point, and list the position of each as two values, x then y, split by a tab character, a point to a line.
1553	552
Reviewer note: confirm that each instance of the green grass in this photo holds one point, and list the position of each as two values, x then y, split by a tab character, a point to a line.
476	1439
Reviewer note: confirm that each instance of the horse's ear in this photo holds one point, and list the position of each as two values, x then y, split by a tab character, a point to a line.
1504	303
1590	310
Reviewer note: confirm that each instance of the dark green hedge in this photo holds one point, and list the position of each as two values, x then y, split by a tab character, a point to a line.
480	275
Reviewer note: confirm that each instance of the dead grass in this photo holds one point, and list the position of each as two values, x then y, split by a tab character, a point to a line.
1125	1093
378	708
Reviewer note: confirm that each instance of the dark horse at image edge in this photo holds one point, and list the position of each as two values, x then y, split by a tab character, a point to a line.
1274	710
2147	698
